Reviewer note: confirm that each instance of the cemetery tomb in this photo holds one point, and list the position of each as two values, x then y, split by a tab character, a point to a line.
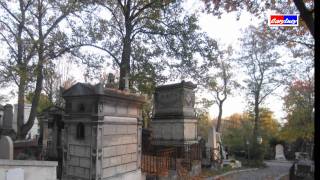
174	122
102	133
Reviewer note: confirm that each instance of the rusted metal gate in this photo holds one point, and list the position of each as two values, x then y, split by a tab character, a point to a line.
159	162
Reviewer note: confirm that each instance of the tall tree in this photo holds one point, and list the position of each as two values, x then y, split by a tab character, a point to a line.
263	70
299	105
21	47
222	83
35	29
140	35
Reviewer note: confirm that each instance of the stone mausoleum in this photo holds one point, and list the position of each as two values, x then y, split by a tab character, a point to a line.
102	133
174	122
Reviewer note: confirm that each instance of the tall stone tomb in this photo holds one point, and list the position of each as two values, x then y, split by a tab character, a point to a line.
102	133
174	122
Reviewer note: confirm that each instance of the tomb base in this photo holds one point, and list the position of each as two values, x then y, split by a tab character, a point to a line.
174	132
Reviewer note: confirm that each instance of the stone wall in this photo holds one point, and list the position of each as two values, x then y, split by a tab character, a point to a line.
120	146
32	170
78	162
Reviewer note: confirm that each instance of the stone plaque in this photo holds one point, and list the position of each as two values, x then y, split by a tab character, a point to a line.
279	152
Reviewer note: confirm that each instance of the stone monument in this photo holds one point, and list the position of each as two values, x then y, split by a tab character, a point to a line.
279	152
102	133
8	117
214	145
7	128
6	148
174	122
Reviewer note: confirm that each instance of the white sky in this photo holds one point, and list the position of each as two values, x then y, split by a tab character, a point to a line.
227	32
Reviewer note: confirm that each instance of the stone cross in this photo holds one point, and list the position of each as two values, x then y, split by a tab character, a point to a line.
6	148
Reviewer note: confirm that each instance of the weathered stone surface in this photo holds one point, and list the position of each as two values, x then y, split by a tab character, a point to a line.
174	121
279	152
15	174
174	100
33	170
8	117
110	145
6	147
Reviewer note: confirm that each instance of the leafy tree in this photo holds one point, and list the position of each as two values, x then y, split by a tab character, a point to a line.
269	125
299	105
262	68
140	36
264	76
235	137
19	42
204	124
34	39
44	101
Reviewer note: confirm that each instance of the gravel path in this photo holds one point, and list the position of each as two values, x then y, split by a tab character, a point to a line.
274	170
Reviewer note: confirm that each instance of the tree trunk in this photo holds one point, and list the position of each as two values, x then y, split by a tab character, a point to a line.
256	116
125	60
39	74
35	100
306	15
22	72
219	117
20	111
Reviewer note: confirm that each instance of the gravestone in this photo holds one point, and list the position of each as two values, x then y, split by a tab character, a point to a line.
8	116
6	147
279	152
214	144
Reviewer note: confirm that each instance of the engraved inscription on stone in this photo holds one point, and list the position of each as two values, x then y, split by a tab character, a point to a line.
165	99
